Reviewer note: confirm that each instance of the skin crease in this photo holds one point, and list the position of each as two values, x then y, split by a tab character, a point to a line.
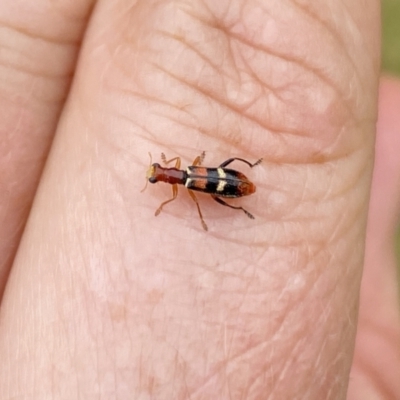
104	300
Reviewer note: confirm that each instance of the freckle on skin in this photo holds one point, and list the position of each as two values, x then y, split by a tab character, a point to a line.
117	312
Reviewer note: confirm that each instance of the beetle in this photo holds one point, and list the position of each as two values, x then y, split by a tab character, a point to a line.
219	182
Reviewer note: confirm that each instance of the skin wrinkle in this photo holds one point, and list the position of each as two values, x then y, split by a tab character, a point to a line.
151	138
242	354
341	356
29	59
246	353
55	103
36	74
228	33
344	229
294	162
183	124
210	61
231	108
264	85
329	193
338	195
283	56
342	44
286	366
34	34
339	359
115	336
307	292
324	23
191	47
220	102
300	62
360	36
336	233
195	129
208	379
262	375
271	242
157	101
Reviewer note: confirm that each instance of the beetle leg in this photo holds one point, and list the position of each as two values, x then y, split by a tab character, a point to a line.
199	159
165	161
227	162
220	201
192	195
174	194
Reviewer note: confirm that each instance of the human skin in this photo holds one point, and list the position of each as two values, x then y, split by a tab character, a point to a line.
376	366
104	300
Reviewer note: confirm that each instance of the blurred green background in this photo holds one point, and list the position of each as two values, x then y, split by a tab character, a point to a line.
391	57
391	36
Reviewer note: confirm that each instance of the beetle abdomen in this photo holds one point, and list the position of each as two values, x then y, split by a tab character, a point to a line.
219	181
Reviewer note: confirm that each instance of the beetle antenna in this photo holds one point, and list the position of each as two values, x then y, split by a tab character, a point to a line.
147	174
